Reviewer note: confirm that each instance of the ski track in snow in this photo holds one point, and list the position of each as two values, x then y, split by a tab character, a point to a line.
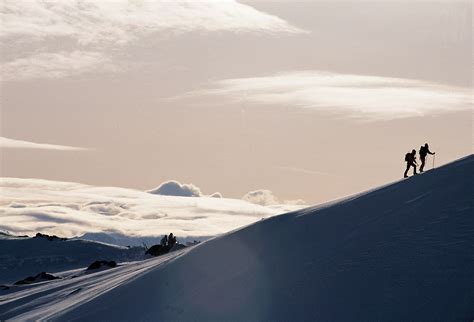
45	300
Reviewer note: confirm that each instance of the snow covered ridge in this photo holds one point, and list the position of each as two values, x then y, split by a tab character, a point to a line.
402	252
67	209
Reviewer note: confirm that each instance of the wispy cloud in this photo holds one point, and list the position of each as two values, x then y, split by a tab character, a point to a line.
261	197
369	97
121	21
49	29
55	65
19	144
265	197
304	171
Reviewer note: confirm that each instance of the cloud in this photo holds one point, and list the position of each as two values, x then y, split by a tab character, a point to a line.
122	21
304	171
72	209
360	96
55	31
295	202
18	144
175	188
265	197
55	65
261	197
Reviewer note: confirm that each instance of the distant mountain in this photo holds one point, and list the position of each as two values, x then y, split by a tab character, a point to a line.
23	257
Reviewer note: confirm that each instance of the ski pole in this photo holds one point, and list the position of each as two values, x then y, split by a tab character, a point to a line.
434	156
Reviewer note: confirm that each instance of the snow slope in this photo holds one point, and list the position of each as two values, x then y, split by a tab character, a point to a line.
43	300
402	252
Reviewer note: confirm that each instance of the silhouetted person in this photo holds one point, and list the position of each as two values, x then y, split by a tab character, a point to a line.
171	240
424	151
410	158
164	240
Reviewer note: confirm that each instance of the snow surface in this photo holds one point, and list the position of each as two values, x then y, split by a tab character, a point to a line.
43	300
402	252
68	209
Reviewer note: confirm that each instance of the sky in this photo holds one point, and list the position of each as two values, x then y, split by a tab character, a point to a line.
305	100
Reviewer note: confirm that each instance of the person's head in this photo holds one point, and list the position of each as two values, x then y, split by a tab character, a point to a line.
426	145
413	151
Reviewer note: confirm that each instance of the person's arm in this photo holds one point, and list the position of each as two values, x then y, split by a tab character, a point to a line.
430	152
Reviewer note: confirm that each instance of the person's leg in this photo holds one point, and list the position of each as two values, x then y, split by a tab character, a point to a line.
406	171
422	164
414	169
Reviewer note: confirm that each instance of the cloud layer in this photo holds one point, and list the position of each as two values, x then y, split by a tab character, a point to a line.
370	97
19	144
70	209
85	33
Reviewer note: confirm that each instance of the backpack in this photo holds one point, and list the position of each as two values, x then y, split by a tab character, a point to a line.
407	157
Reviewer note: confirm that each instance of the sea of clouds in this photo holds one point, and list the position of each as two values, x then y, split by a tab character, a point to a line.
68	209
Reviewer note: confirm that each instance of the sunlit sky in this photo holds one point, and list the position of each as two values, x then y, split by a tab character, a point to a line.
311	100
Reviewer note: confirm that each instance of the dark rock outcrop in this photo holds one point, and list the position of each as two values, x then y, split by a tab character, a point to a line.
101	264
49	237
41	277
157	250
